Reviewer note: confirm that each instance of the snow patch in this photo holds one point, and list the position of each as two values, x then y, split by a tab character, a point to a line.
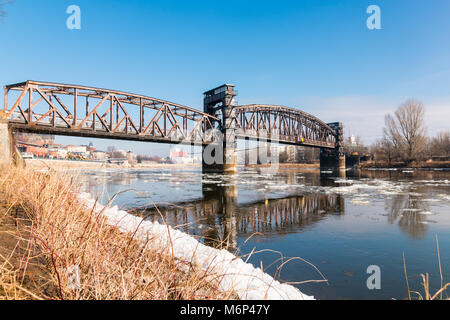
248	282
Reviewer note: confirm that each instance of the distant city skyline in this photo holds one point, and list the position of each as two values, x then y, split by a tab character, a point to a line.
318	56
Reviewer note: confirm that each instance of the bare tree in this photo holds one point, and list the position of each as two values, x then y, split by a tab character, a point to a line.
406	130
354	144
440	145
110	149
384	149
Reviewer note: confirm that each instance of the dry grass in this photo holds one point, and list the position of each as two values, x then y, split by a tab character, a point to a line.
427	294
48	235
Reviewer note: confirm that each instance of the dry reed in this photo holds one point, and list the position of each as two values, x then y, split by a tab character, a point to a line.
427	294
65	251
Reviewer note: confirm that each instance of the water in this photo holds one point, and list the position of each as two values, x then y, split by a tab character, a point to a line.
336	226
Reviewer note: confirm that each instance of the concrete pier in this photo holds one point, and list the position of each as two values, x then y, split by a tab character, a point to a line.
6	143
334	159
230	165
329	160
223	160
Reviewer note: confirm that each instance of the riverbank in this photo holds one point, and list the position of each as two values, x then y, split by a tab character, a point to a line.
402	165
58	243
64	165
78	165
54	247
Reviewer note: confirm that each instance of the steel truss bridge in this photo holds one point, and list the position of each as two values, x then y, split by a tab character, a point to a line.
283	124
92	112
55	108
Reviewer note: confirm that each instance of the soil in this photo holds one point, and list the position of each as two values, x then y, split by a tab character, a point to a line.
33	272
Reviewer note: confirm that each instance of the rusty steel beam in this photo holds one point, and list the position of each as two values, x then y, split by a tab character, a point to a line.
145	118
169	122
283	124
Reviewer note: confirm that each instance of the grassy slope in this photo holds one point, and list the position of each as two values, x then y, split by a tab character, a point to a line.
45	232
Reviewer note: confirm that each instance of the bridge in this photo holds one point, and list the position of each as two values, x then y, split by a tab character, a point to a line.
76	110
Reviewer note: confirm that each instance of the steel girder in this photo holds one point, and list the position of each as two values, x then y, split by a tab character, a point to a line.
287	125
93	112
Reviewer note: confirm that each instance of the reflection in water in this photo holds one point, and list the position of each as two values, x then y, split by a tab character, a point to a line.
218	219
301	214
213	211
110	181
281	216
406	209
409	212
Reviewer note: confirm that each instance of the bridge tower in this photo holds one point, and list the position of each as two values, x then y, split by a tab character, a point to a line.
334	159
220	102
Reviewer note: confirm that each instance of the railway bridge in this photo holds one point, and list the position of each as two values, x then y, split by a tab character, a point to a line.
76	110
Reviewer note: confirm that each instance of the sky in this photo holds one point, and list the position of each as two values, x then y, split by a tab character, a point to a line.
317	56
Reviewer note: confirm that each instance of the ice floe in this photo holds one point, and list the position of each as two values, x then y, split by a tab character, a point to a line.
360	201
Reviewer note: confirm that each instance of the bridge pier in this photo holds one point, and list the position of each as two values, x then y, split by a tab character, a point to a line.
329	160
6	143
224	160
334	159
246	153
230	162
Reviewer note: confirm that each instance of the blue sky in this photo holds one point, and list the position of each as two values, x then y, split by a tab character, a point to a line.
316	55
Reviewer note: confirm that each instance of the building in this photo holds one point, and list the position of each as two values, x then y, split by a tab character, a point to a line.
56	151
130	156
34	138
99	155
298	154
76	149
31	150
78	152
290	153
177	155
62	153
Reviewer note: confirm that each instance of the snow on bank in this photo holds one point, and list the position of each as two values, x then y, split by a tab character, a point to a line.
248	282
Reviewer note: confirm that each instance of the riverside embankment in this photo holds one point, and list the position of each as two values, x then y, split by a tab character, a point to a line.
83	250
54	247
402	165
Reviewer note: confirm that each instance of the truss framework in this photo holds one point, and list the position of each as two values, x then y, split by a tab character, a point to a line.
93	112
287	125
87	111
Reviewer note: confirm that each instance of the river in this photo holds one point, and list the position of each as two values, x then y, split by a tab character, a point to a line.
330	227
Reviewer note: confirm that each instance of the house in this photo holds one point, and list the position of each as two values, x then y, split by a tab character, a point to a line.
37	151
99	155
179	156
76	149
